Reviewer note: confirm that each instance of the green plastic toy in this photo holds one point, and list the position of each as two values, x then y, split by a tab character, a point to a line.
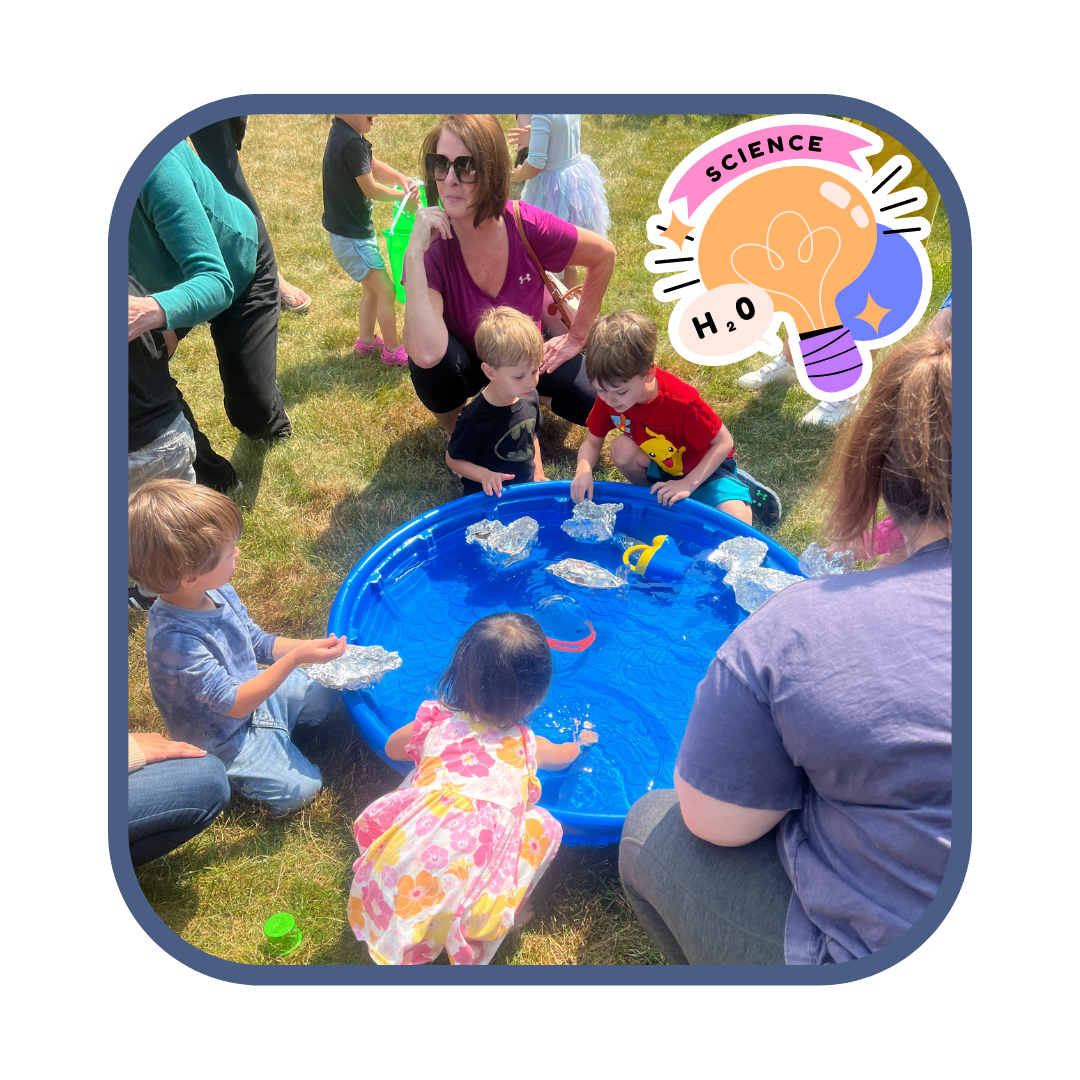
397	240
282	934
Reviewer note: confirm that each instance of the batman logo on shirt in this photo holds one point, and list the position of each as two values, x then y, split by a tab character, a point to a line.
514	436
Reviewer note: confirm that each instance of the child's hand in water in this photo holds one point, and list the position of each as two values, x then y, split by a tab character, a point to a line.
588	738
582	487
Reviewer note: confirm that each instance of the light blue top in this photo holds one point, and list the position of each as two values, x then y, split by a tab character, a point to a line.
197	661
554	141
191	244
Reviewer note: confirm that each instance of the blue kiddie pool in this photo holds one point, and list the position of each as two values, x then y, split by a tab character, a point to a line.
627	660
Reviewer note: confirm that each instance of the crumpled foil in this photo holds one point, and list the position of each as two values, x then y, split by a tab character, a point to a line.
359	667
754	587
814	562
504	544
579	572
753	583
592	522
739	554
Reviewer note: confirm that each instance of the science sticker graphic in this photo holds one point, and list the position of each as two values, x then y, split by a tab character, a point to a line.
783	221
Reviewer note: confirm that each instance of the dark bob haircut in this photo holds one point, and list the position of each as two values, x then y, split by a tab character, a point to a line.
501	670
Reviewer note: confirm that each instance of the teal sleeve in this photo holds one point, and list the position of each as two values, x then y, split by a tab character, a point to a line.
176	213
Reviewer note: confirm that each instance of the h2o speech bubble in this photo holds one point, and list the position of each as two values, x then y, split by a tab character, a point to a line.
727	320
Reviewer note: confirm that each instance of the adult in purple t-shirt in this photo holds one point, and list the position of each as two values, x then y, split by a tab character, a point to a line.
466	256
811	819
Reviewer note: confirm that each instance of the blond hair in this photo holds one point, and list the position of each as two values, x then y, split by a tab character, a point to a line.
506	337
178	530
620	346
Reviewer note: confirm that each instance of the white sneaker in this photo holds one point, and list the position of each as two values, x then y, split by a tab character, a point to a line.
831	413
776	370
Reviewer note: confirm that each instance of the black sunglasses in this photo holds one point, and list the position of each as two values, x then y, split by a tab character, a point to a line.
439	166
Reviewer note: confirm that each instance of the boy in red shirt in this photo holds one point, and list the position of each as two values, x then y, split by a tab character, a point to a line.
667	436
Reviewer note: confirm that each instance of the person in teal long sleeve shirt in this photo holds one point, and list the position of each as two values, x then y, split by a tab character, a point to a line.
194	248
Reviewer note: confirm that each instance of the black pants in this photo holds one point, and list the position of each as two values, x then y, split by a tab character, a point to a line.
458	377
245	334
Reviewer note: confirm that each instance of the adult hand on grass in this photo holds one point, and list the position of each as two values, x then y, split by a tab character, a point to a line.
157	748
144	313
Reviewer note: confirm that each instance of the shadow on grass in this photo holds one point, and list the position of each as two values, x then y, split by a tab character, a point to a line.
411	479
248	459
171	883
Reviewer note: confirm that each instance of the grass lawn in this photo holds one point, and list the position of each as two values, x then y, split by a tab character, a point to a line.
365	458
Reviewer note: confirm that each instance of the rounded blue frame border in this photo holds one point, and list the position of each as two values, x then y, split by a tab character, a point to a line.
935	125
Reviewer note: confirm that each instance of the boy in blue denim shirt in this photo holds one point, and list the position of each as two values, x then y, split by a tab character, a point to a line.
203	651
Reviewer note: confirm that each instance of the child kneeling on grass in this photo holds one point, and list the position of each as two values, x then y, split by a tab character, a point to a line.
203	651
668	437
494	441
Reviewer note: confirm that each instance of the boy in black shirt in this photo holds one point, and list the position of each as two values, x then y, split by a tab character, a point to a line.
494	441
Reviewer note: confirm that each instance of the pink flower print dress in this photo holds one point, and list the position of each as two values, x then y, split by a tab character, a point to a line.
447	859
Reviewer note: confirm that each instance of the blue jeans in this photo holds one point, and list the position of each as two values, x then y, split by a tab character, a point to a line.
171	801
268	768
170	455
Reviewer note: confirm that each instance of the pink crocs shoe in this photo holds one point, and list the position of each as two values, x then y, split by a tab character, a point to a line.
400	357
366	350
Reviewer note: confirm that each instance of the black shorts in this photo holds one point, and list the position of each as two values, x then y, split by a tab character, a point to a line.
458	377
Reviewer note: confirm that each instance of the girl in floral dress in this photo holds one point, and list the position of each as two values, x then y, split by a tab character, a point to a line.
447	861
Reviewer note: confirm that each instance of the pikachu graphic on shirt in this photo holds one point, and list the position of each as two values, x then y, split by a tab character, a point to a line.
663	453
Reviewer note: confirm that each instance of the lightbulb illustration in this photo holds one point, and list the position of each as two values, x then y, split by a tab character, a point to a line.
803	235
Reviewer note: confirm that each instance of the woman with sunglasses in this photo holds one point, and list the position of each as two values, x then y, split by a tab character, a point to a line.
465	255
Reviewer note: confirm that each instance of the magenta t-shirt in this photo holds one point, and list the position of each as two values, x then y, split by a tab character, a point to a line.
464	303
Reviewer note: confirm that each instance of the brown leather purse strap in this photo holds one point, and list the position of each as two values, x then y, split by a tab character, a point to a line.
525	241
558	293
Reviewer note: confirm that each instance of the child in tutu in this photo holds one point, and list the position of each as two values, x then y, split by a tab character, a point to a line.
448	859
559	178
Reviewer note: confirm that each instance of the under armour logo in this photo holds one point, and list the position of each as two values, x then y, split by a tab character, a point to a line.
522	280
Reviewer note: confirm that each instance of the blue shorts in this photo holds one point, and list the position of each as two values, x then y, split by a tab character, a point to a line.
357	257
723	486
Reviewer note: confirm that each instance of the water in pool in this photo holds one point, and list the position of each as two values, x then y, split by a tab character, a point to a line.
633	683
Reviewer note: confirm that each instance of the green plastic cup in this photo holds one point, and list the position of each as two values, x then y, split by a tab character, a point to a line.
282	934
397	240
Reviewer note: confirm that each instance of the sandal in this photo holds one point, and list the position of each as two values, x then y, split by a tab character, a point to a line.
399	357
297	303
366	350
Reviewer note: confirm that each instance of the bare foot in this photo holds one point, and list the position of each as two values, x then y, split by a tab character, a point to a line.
524	915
